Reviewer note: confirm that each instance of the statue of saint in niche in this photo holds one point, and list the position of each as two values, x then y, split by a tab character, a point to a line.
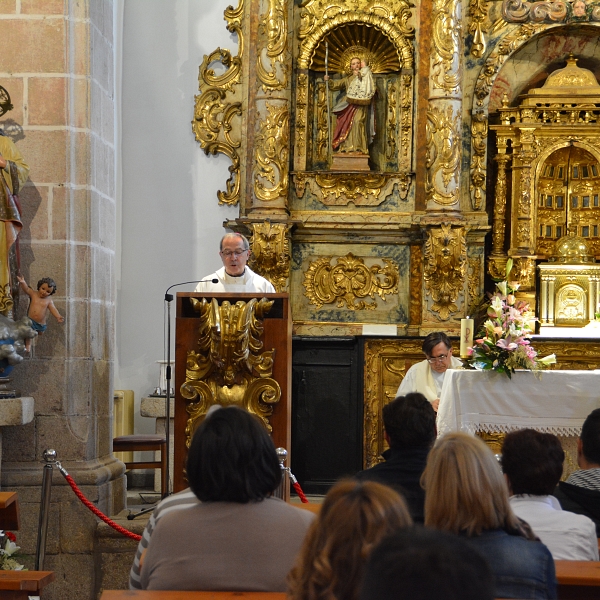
354	112
355	123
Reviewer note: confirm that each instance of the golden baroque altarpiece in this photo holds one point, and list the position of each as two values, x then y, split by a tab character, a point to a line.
462	143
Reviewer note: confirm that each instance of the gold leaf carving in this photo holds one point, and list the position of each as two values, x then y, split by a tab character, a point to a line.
301	108
274	27
271	179
474	280
349	281
406	120
319	17
322	123
446	72
443	155
523	272
392	123
216	108
230	366
496	59
479	132
6	301
478	11
271	252
445	264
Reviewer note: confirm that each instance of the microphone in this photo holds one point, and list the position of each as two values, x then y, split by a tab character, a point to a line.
169	297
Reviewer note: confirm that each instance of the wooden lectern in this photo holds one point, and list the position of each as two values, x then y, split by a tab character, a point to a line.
231	349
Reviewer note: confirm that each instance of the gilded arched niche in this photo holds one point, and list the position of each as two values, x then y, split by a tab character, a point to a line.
326	42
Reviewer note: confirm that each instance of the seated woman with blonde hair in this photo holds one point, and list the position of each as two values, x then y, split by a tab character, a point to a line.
354	518
466	494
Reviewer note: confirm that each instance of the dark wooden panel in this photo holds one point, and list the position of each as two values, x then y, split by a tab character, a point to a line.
327	411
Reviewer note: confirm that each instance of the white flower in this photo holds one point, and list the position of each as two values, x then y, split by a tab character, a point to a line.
548	360
10	548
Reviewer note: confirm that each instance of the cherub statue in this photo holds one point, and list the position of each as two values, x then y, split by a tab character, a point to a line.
39	305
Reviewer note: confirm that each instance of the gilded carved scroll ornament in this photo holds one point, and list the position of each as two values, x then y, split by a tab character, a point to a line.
505	47
349	282
550	11
479	134
230	366
446	72
274	27
443	155
218	107
478	10
362	189
271	177
271	252
445	268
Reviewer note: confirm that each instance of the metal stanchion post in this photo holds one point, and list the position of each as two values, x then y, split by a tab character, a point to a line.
280	490
40	552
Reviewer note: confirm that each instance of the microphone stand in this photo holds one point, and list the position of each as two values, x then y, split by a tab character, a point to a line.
168	300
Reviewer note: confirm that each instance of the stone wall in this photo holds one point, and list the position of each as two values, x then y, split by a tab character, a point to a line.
57	62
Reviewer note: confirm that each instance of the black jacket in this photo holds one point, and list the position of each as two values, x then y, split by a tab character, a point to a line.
579	500
402	471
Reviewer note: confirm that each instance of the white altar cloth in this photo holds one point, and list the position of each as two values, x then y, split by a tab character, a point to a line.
550	401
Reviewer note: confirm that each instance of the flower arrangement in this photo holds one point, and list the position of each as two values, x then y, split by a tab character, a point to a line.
7	560
505	345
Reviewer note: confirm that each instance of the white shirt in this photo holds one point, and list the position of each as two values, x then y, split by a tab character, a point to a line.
568	536
408	384
249	281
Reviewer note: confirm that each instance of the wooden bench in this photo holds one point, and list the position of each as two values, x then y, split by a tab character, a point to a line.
163	595
577	579
19	585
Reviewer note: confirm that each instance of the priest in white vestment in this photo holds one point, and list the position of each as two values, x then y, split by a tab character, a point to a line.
235	276
427	376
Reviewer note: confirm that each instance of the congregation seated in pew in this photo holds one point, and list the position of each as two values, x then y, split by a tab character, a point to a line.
354	517
238	537
424	564
465	494
580	493
533	463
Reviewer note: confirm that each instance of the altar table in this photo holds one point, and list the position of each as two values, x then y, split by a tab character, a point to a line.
549	401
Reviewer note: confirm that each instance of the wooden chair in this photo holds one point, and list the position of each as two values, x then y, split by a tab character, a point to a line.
142	443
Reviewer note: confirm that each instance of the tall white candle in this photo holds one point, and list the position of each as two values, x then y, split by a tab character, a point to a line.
466	336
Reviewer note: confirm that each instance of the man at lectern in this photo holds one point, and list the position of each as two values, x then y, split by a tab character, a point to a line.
235	275
427	377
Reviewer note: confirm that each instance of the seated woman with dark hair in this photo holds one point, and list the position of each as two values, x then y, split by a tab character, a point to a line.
238	537
465	493
354	517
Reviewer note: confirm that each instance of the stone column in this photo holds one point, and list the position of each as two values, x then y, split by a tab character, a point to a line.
59	58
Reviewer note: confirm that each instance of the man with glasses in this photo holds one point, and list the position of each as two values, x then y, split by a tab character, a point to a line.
235	275
427	376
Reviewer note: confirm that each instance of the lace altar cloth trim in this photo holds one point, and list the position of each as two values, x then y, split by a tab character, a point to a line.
479	427
553	401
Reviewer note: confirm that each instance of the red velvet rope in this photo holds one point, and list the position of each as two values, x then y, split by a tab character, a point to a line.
98	513
300	493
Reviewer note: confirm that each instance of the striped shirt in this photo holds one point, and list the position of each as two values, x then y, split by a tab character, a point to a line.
586	478
184	499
